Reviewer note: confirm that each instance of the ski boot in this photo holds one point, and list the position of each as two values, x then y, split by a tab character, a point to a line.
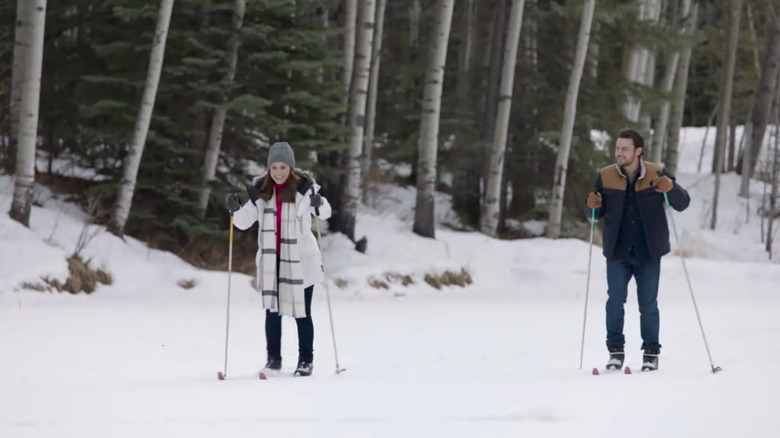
616	358
272	367
304	368
650	360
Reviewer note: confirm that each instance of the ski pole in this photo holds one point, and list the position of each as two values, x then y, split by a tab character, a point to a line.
223	374
587	284
690	287
327	294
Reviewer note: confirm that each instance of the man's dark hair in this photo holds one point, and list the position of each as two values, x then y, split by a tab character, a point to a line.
635	136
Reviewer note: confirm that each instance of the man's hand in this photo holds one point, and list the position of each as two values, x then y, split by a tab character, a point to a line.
663	184
594	200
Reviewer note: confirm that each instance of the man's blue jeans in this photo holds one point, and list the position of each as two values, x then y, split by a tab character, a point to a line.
646	275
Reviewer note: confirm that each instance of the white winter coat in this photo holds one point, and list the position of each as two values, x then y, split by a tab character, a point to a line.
311	257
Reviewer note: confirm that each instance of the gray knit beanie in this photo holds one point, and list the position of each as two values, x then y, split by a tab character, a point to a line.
281	152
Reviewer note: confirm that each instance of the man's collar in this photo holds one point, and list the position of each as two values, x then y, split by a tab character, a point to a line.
642	169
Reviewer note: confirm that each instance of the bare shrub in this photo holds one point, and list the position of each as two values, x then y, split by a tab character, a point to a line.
449	278
395	277
186	284
377	283
81	277
88	231
35	286
340	283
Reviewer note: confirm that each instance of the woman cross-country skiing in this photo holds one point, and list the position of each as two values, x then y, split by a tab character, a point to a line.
288	260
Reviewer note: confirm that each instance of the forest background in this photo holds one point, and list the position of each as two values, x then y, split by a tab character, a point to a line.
508	106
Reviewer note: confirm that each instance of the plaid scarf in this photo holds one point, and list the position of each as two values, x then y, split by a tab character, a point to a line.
281	281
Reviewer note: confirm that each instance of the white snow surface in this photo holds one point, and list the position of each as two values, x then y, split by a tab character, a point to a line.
499	357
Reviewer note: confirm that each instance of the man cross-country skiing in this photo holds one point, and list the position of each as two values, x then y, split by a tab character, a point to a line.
629	197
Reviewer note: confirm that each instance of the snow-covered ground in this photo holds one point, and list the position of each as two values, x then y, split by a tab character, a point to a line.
499	357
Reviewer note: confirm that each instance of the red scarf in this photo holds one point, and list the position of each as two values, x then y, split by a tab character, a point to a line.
277	189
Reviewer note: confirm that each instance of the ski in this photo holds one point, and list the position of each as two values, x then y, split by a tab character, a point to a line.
627	370
597	372
262	375
266	375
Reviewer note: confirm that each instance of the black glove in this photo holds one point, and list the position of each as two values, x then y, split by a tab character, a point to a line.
316	200
232	203
253	192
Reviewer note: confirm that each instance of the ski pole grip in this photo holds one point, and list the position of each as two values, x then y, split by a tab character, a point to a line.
666	196
316	209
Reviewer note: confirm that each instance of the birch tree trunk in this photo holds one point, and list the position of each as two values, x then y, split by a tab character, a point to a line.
727	84
373	84
635	68
133	161
747	132
424	214
220	114
667	85
770	235
350	20
324	14
415	13
466	52
32	30
762	105
680	90
753	38
593	49
732	144
491	207
492	88
532	37
467	177
358	114
487	35
630	66
630	62
653	15
569	114
21	47
648	80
